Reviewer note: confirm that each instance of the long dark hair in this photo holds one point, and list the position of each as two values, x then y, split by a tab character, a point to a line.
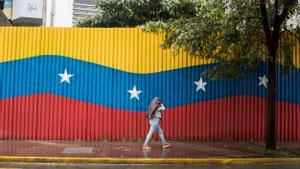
154	104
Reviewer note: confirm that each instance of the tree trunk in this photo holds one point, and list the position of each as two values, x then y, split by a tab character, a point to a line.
270	128
271	42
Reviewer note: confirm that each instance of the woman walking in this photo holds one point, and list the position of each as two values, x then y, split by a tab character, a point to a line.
154	116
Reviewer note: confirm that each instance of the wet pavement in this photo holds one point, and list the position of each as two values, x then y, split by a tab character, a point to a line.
146	166
133	149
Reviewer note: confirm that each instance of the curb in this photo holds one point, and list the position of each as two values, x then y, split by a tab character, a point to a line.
33	159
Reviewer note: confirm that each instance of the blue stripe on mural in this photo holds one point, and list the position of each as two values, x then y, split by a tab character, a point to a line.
109	87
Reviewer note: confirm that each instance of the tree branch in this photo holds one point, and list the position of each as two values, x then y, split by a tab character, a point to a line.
287	6
276	7
263	11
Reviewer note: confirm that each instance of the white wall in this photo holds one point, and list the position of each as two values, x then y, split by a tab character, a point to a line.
27	9
59	13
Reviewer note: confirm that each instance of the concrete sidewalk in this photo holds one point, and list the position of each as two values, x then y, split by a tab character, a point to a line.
131	152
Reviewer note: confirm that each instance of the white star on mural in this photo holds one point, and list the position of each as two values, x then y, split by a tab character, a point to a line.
200	84
263	81
65	77
135	93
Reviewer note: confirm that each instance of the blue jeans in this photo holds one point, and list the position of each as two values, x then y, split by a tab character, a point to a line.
155	126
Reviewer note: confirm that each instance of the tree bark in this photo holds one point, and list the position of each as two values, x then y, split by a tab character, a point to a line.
270	140
271	121
272	44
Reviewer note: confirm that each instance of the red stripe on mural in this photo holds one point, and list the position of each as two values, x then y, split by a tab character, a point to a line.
48	116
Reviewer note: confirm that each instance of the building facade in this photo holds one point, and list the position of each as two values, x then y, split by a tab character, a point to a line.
47	13
82	8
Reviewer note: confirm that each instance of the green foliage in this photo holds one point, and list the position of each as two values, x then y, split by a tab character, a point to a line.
228	32
130	13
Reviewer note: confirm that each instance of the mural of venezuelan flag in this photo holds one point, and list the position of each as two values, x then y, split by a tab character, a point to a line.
91	84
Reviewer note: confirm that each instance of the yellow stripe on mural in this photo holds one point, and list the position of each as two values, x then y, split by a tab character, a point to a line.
296	53
127	49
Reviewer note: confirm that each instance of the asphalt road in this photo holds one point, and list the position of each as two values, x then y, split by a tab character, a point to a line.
135	166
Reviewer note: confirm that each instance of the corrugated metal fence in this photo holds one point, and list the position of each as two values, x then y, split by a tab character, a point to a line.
92	84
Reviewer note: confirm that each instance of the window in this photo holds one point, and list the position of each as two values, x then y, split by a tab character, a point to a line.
84	1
